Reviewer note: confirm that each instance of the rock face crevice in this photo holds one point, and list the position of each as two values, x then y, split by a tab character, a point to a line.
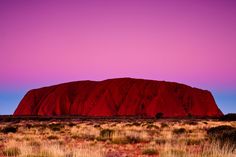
119	97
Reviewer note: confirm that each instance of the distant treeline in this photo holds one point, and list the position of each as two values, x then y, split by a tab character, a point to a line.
12	118
229	117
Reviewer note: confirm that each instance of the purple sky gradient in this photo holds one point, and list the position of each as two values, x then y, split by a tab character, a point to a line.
45	42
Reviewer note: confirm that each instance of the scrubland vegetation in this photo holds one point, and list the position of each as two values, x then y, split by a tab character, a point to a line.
101	138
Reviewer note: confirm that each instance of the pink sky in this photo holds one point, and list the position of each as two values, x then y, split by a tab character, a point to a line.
44	42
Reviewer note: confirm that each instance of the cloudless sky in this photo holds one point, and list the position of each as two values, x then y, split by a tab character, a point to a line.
46	42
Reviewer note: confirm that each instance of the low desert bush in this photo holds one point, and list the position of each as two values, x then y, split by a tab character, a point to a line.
56	127
179	131
105	134
29	126
75	136
39	126
219	129
150	122
71	124
193	142
96	126
191	123
150	151
126	140
83	136
225	135
152	126
133	139
128	125
164	125
52	137
136	124
9	129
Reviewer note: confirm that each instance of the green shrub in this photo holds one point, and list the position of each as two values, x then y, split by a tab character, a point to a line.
150	151
13	151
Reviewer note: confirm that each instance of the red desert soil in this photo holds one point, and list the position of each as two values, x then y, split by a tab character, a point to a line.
119	97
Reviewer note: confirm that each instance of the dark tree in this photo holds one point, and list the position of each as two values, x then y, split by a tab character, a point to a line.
159	115
190	115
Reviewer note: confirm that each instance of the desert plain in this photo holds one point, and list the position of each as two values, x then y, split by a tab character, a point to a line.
118	138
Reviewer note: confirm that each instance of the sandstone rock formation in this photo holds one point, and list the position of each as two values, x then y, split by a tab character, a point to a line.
119	97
